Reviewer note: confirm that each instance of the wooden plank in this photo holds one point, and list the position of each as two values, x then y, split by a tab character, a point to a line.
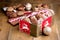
4	27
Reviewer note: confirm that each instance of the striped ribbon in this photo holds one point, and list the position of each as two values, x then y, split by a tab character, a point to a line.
32	14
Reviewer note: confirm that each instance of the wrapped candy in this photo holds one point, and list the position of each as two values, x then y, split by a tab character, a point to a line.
18	5
21	8
33	20
15	11
36	9
40	6
27	19
10	9
19	13
5	8
28	6
47	30
14	7
38	16
8	13
11	14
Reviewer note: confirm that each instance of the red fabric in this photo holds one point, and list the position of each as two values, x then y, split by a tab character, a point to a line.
24	26
44	22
